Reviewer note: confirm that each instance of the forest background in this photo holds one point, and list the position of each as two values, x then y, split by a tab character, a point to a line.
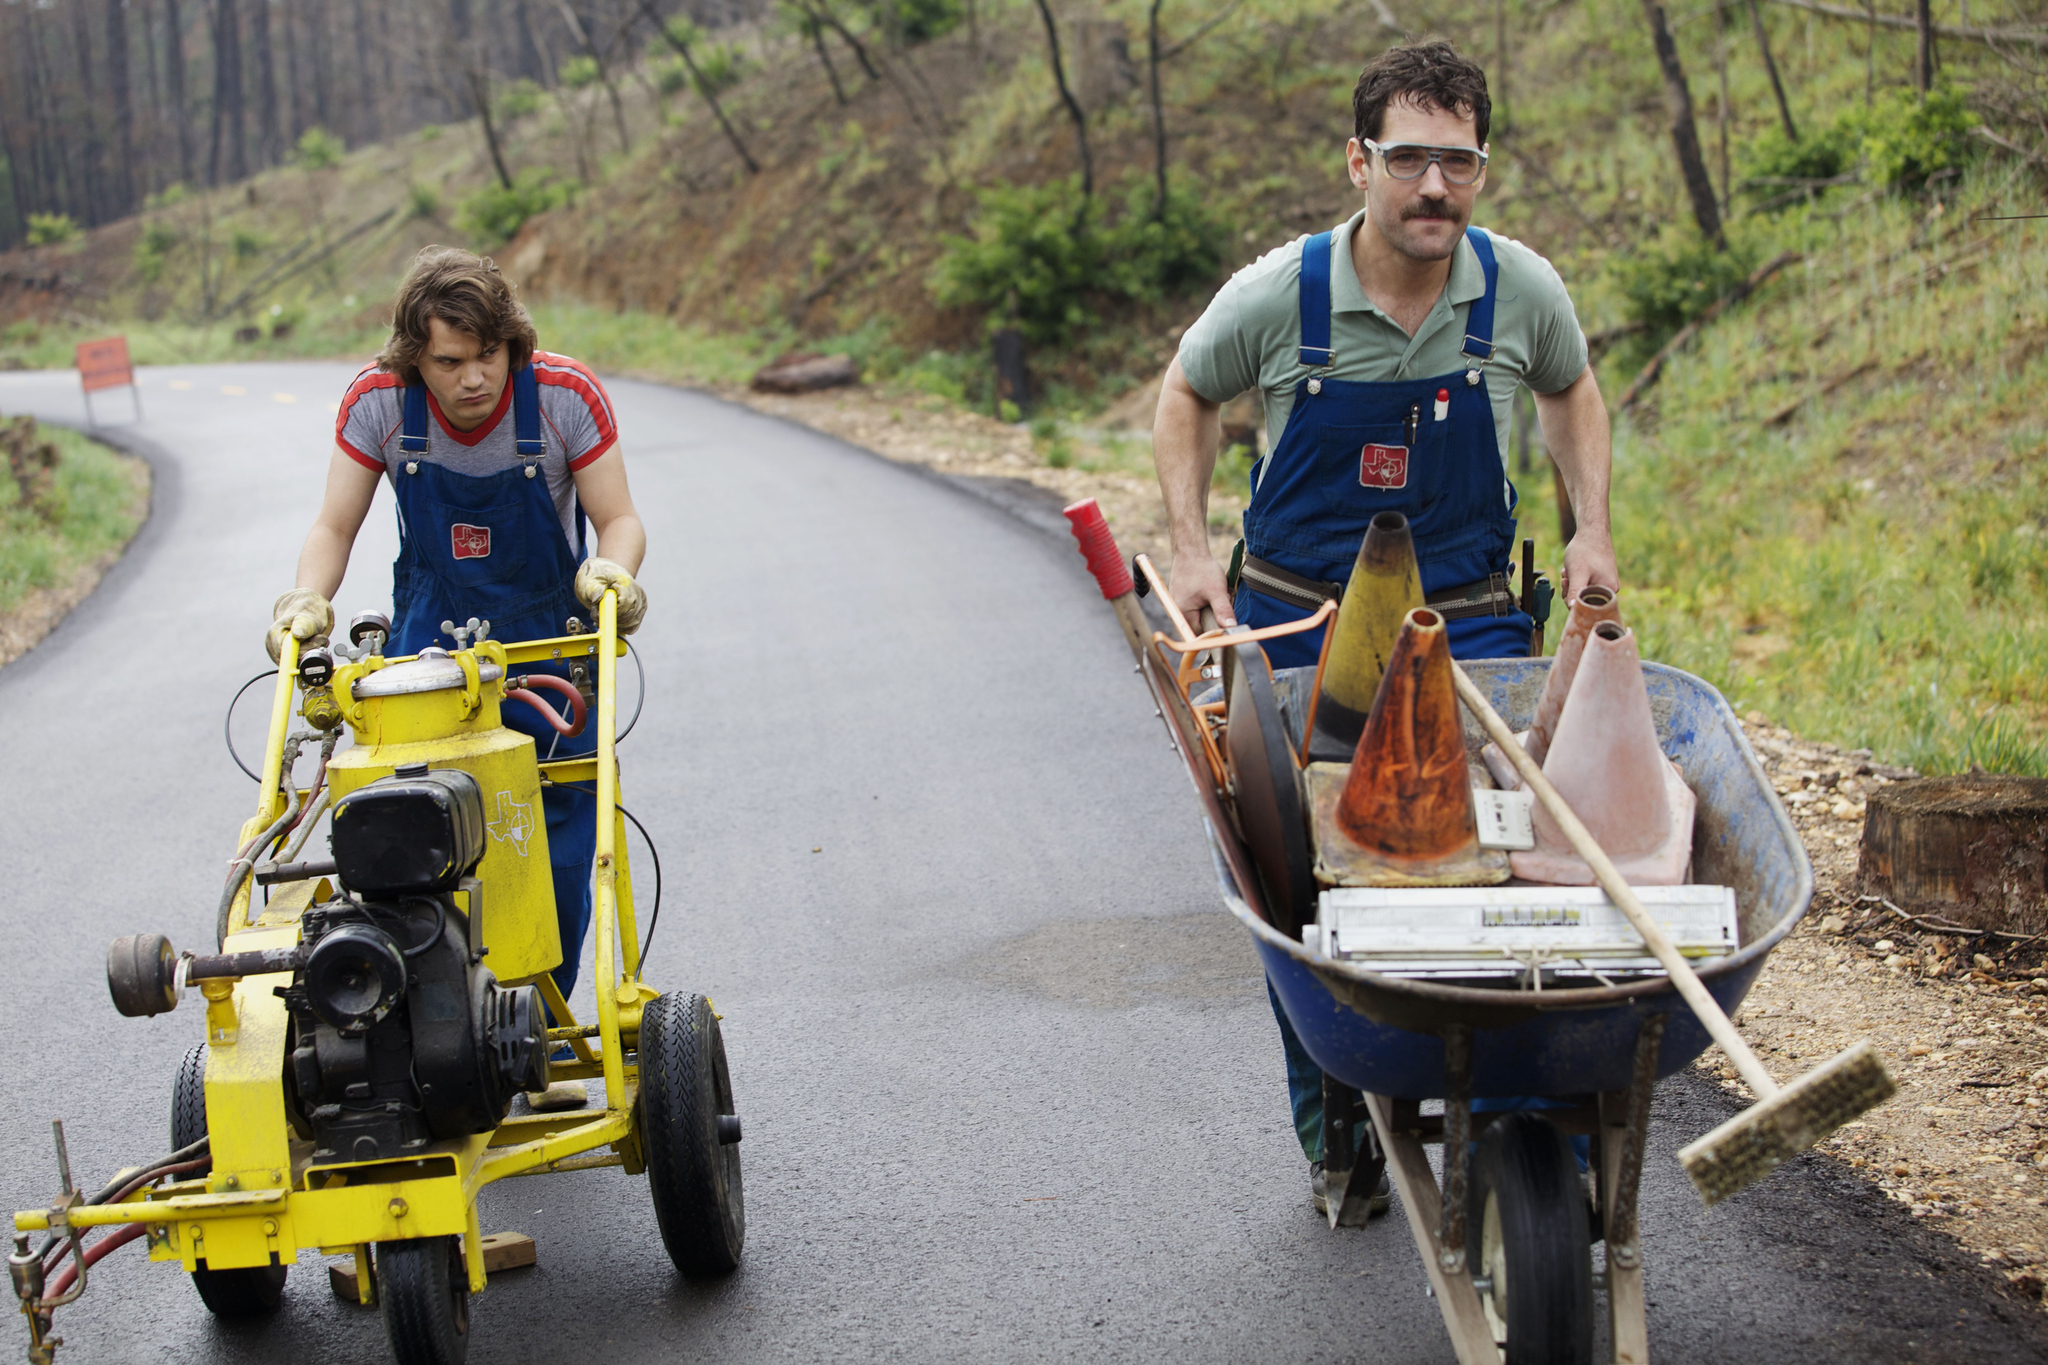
1802	238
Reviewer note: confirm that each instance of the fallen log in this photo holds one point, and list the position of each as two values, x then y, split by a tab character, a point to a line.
806	373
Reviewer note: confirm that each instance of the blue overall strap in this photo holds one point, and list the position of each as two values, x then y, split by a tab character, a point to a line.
1315	301
526	413
1478	346
412	431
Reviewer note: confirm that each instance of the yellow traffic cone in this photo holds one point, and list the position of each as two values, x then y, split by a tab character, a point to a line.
1401	815
1385	586
1606	763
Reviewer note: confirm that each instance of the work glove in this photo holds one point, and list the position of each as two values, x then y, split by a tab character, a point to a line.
595	576
301	613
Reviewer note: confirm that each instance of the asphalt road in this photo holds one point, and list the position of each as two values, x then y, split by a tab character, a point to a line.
1010	1084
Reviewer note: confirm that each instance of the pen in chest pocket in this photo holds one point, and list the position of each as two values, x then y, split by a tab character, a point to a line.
1414	420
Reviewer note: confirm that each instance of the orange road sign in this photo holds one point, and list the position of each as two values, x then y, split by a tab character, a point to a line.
104	364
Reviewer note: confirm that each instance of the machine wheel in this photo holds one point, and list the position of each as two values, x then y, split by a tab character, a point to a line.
691	1135
246	1292
423	1285
1528	1241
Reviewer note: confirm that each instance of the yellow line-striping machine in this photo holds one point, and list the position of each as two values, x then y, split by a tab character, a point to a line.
369	1027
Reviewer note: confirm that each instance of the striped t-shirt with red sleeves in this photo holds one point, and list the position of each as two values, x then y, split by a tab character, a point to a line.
576	427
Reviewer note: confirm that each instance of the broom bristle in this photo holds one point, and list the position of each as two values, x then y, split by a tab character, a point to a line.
1764	1136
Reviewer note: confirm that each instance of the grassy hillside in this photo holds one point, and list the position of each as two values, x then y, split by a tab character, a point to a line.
1831	505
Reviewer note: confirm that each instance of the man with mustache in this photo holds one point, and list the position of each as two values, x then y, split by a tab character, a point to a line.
1387	352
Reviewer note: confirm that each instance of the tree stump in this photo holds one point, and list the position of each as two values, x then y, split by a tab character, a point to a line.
1973	849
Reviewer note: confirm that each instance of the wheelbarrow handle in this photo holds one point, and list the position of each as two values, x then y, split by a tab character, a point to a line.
1112	575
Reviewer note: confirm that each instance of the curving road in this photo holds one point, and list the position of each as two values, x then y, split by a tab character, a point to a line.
1010	1084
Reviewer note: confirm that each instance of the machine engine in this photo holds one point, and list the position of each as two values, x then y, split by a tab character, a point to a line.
400	1034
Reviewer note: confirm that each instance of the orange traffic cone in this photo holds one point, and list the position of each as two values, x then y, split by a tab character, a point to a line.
1402	814
1588	609
1605	762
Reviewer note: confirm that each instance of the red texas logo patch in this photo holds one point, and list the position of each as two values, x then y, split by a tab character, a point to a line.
470	542
1383	467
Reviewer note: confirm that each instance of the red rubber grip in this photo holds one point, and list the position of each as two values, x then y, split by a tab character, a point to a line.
1098	547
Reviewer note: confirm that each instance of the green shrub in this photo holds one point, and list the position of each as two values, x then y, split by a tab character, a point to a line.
1039	258
246	244
153	249
493	214
578	71
920	21
1668	283
173	193
720	67
518	99
1907	139
319	148
429	131
48	229
670	75
422	201
1822	154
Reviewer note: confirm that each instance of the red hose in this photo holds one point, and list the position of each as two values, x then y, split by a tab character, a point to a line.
93	1254
561	687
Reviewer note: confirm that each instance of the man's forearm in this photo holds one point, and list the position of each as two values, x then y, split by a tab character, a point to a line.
1575	429
1186	435
324	560
623	540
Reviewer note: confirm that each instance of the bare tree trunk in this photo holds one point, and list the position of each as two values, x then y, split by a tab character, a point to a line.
369	115
1870	56
816	31
229	156
530	64
1059	75
1923	70
682	49
269	136
1721	109
174	82
604	76
98	203
158	116
480	95
121	97
1499	82
1158	119
1685	133
294	82
1763	45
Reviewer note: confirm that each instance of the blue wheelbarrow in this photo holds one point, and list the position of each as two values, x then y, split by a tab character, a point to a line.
1539	1098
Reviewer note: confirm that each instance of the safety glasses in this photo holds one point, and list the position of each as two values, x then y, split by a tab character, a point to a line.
1410	161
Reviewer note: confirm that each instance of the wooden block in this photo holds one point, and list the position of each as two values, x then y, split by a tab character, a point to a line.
1969	848
506	1251
341	1278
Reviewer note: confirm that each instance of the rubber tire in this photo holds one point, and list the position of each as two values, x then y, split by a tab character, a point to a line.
1533	1240
423	1285
246	1292
684	1086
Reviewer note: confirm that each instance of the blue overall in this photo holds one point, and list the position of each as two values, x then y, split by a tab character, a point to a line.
493	548
1352	449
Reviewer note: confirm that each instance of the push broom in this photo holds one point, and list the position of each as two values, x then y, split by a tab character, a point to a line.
1785	1120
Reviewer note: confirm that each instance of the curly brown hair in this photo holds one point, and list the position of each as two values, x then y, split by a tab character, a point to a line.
467	292
1434	75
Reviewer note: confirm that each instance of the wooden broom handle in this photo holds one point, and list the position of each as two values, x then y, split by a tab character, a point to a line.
1604	872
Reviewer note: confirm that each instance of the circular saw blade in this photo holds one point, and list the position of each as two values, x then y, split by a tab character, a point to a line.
1270	809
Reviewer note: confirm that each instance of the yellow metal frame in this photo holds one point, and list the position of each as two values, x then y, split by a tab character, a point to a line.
264	1202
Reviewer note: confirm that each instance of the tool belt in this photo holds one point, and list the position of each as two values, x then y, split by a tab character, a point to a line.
1489	596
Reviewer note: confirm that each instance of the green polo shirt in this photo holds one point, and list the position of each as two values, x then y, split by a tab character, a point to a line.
1250	335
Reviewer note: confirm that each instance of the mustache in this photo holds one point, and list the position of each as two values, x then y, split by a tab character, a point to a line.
1431	208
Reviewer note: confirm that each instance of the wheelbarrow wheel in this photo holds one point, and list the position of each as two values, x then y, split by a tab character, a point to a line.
691	1134
246	1292
1532	1255
423	1285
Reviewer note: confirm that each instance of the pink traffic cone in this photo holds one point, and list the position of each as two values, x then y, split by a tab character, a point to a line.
1605	762
1588	609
